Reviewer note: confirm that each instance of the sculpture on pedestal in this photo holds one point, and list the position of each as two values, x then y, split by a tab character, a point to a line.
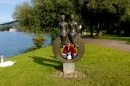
68	33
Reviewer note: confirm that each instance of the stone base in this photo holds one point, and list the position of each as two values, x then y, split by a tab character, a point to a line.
76	74
68	68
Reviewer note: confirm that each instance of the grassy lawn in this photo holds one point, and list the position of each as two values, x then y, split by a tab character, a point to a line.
115	37
112	37
103	67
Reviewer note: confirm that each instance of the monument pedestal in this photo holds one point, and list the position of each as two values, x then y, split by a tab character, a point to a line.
68	68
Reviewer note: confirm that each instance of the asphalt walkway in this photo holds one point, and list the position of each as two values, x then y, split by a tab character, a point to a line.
119	45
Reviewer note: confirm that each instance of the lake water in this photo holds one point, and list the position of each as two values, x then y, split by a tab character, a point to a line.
14	43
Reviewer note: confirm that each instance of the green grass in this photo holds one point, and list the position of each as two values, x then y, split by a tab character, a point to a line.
103	67
115	37
112	37
88	33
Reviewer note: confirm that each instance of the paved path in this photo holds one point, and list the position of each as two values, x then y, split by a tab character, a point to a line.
119	45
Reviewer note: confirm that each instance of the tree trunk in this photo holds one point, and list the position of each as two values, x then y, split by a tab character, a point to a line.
100	28
91	30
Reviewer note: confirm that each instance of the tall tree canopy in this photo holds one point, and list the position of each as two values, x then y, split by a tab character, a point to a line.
104	11
42	14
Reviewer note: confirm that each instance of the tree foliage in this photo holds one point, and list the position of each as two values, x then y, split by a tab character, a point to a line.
44	15
41	14
104	11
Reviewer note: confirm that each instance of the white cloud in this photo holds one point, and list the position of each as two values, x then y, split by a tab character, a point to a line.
1	23
6	20
12	19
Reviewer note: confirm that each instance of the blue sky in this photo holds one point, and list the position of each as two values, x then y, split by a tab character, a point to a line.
7	9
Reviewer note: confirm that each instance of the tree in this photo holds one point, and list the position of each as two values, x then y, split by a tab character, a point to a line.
29	23
100	12
126	26
42	15
24	13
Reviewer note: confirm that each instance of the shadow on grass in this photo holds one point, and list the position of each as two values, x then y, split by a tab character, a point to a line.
46	62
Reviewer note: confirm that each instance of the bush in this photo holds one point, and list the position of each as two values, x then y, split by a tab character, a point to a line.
33	48
38	42
54	34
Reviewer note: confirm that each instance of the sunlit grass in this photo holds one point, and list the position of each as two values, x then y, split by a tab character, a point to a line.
115	37
112	37
102	66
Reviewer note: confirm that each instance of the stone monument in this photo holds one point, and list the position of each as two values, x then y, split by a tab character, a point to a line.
68	33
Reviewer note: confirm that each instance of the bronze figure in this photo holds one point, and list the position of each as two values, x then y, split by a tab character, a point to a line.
63	31
73	27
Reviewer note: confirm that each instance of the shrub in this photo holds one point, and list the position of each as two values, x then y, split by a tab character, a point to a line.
33	48
53	34
38	42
